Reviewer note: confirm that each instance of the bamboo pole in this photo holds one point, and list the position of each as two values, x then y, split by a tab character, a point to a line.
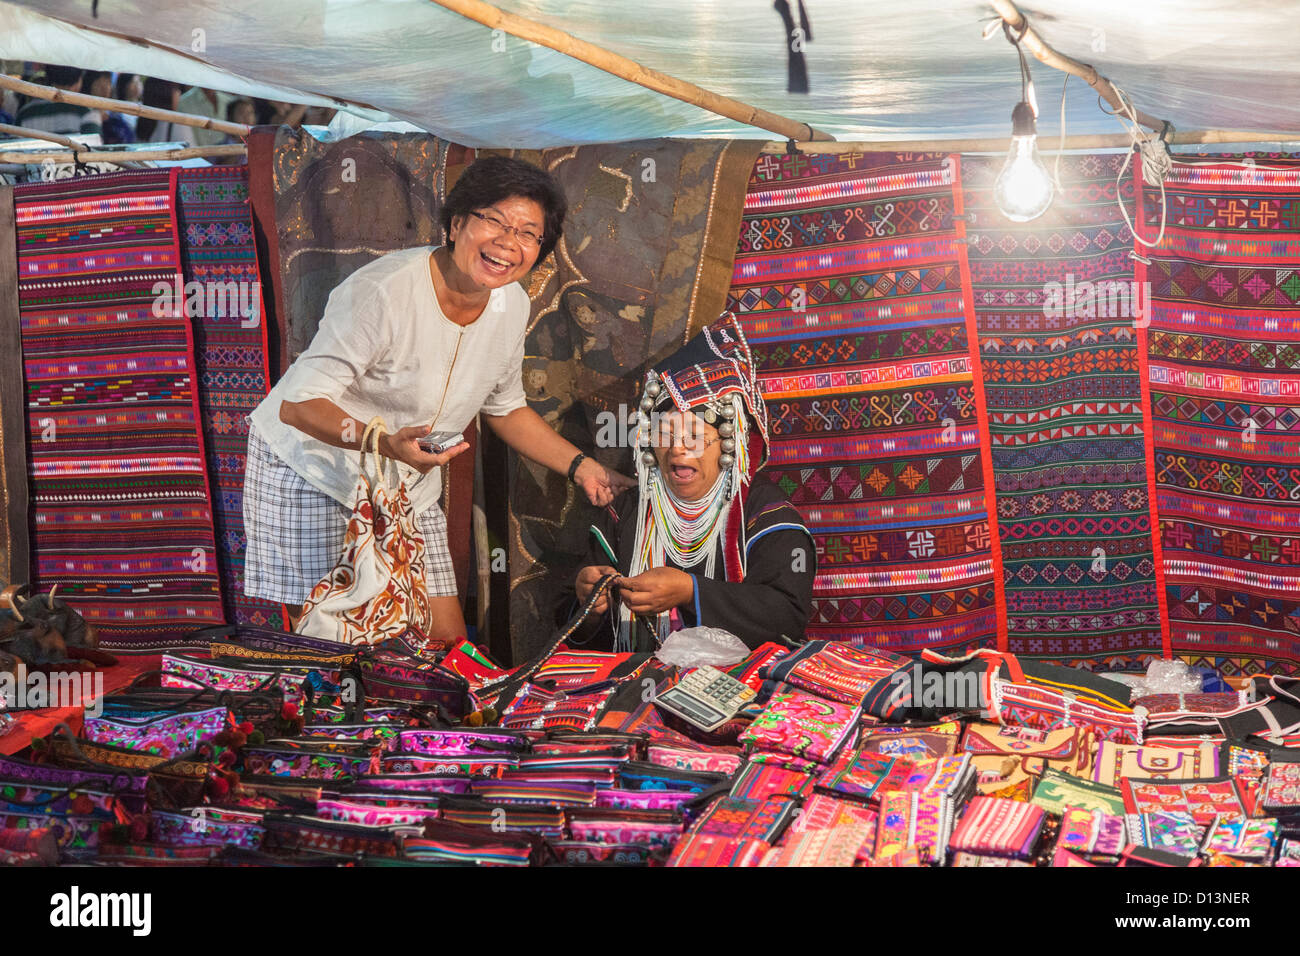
56	95
26	133
124	156
1016	20
1045	143
626	69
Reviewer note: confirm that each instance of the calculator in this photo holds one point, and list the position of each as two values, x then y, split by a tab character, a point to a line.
706	698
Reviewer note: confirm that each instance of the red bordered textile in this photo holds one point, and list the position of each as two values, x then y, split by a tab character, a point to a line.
121	510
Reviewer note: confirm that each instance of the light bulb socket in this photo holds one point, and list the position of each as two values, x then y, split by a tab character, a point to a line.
1022	120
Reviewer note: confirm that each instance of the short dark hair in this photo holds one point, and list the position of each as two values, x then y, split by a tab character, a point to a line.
123	81
494	178
62	75
230	109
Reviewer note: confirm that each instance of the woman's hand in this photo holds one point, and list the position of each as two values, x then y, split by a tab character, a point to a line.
600	484
656	590
588	578
403	445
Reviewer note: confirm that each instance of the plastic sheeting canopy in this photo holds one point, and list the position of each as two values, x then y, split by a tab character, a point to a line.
877	70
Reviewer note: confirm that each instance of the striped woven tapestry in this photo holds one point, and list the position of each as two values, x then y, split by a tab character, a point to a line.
230	339
848	282
121	519
14	555
1222	355
1057	324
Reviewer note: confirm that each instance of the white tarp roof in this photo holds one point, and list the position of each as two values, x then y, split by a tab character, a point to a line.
902	69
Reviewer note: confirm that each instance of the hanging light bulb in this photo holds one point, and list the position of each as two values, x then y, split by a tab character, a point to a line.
1023	189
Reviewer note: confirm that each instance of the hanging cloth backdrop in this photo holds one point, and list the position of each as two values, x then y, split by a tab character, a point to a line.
643	265
1060	367
121	519
1222	356
230	339
848	283
14	557
341	205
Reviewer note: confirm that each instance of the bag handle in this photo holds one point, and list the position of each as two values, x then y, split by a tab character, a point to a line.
510	684
375	430
121	780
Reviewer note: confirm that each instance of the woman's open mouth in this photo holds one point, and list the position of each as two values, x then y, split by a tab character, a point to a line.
683	473
494	265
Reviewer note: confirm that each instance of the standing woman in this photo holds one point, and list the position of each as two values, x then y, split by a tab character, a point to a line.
425	339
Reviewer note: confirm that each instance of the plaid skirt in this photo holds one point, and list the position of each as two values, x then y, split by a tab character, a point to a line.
295	532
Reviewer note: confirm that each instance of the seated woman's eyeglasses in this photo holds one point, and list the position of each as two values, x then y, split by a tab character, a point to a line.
695	442
496	227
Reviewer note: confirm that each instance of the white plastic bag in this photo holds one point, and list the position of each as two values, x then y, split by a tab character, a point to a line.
1168	677
696	646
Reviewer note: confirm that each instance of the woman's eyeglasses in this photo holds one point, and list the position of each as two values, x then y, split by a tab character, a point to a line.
667	438
496	227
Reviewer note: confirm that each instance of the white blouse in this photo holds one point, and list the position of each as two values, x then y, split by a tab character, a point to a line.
384	348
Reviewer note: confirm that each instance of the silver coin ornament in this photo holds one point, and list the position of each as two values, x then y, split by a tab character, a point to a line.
710	415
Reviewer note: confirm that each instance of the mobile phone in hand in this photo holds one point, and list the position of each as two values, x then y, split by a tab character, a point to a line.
439	442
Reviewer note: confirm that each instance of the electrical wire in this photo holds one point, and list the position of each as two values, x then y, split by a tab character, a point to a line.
1157	163
1060	148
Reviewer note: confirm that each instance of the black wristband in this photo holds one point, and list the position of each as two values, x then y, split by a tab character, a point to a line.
573	465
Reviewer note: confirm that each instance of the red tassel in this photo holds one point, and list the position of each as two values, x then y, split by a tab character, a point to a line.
733	565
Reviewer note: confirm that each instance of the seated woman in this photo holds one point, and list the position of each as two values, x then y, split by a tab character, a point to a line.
699	544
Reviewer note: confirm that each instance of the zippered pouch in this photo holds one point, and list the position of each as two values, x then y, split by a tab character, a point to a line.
1056	791
1242	837
700	761
123	782
635	775
286	762
181	672
433	783
375	797
802	725
72	832
266	639
599	739
1092	833
613	760
708	849
561	794
643	799
1203	798
303	833
470	765
207	826
390	680
459	742
167	735
57	801
348	811
382	735
452	843
998	827
648	828
546	821
587	852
